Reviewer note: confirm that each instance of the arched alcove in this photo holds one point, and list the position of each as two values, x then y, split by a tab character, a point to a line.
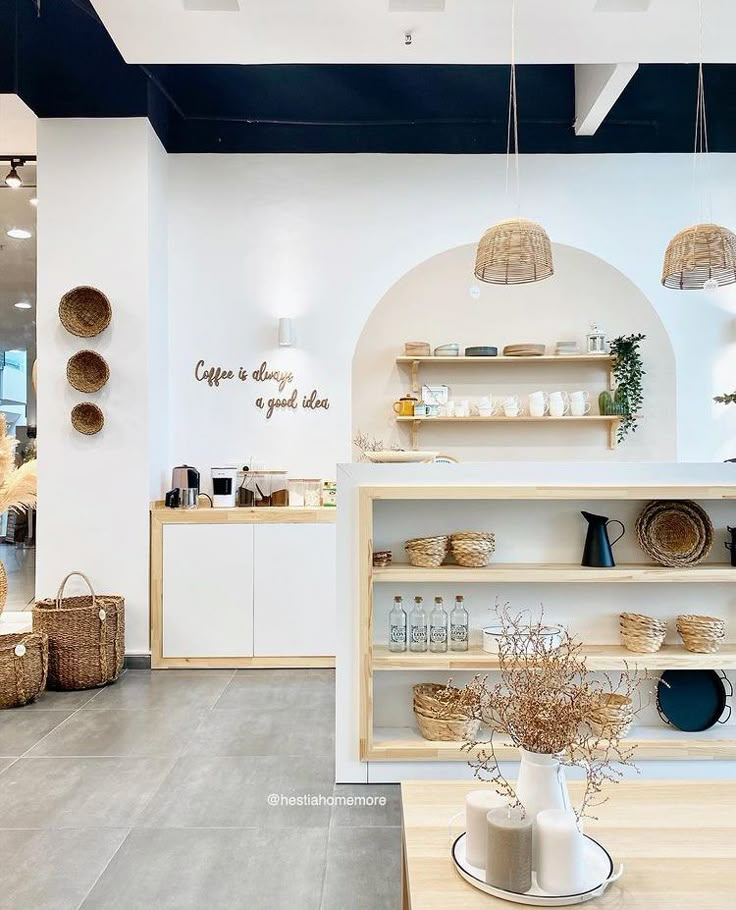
433	302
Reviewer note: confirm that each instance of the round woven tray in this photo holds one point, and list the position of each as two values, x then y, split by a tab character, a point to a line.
613	716
701	634
87	418
642	634
675	533
85	311
87	371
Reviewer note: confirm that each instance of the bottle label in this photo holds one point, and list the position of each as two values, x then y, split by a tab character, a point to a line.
419	633
438	634
398	633
459	633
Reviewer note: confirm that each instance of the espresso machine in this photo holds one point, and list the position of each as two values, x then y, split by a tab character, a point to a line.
184	491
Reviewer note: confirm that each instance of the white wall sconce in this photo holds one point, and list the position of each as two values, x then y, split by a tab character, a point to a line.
286	332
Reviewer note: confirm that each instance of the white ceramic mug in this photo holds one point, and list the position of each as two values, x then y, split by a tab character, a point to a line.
579	403
486	407
448	409
462	408
511	406
538	404
559	404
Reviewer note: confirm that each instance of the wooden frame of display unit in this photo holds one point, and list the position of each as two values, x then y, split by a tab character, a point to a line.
671	745
161	516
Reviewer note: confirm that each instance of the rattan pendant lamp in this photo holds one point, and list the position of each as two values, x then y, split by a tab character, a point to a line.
702	256
515	251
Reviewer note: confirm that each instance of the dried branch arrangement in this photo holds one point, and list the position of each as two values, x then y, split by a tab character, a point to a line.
543	702
365	443
17	485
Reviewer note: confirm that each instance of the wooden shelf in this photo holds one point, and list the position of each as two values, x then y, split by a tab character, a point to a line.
653	743
605	359
598	657
712	573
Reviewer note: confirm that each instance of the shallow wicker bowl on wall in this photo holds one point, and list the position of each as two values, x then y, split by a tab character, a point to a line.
516	251
87	371
85	311
87	418
703	252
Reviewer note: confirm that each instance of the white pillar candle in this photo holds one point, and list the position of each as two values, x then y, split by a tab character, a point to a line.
478	803
559	850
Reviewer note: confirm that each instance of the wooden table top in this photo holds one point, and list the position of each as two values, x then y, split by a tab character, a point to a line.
676	840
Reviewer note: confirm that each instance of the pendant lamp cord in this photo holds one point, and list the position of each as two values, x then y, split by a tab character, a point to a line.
512	128
701	130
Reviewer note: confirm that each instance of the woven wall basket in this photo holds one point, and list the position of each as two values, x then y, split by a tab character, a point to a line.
86	637
87	371
675	533
698	254
85	311
24	662
514	252
87	418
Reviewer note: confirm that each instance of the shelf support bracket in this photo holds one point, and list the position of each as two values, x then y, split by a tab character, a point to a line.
613	434
415	375
414	428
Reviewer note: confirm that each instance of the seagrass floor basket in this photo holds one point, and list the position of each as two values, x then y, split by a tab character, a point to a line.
24	662
86	637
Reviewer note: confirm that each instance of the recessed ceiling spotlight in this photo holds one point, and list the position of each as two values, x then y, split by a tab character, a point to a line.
19	233
34	201
13	180
23	305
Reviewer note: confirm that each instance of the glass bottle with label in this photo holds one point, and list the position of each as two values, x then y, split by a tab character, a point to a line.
397	626
418	626
459	626
438	627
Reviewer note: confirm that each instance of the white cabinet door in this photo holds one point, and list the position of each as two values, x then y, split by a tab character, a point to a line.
208	590
294	590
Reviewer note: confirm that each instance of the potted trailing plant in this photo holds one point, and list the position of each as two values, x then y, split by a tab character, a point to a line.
548	705
628	372
17	488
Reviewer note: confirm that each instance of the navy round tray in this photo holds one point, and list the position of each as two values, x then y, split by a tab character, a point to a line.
693	700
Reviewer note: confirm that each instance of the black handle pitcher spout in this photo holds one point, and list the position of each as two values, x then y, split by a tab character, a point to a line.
598	550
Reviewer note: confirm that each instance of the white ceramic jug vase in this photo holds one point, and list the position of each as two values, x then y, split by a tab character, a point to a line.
541	785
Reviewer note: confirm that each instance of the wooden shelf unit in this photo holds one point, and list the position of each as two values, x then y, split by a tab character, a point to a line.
654	743
598	657
715	573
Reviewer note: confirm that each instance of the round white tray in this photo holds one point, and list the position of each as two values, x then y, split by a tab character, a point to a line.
598	863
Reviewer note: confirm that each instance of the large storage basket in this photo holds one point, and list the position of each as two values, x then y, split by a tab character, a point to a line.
86	637
24	663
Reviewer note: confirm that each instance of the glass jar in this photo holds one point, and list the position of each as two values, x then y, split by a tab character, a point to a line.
246	489
296	492
313	493
279	484
260	482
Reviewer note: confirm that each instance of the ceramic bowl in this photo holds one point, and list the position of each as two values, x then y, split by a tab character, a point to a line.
494	635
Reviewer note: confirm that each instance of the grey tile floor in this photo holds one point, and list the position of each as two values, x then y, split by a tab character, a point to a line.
153	793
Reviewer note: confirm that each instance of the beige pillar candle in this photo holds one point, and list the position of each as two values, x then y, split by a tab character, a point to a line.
478	804
509	850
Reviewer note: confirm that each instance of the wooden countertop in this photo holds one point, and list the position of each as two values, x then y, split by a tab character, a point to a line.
265	515
676	840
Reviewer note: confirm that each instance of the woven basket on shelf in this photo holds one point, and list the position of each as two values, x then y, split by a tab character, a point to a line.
86	637
427	552
3	587
87	418
642	634
697	254
472	548
85	311
674	533
613	716
515	251
446	729
437	718
87	371
701	634
24	661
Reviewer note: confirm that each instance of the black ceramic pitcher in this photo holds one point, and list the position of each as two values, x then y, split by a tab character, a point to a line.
598	550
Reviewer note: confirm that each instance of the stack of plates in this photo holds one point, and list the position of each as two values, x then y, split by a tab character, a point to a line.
567	347
481	350
447	350
677	533
524	350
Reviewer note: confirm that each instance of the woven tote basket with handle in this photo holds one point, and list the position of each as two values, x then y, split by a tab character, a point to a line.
86	637
24	663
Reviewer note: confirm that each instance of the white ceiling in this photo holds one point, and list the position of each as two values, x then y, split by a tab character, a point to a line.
17	263
467	31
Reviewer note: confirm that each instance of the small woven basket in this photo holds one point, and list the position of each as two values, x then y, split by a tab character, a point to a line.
437	718
642	634
24	662
87	418
86	637
427	552
446	729
85	311
473	549
701	634
3	587
613	716
87	371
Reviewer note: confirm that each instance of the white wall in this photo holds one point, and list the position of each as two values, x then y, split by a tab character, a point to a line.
100	222
324	237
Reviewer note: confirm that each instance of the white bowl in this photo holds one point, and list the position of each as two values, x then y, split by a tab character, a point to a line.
391	456
494	635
